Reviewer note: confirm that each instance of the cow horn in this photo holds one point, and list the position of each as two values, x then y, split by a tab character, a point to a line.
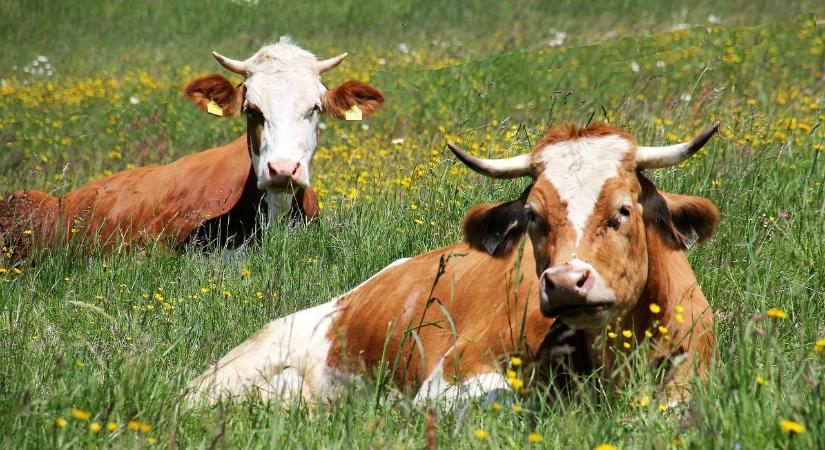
660	157
329	64
230	64
517	166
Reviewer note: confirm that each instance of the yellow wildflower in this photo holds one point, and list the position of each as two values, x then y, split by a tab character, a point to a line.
111	426
79	414
145	427
496	406
95	427
511	374
481	434
819	347
612	335
535	437
776	313
515	361
680	308
627	333
516	383
626	345
605	447
61	422
662	329
762	381
517	407
644	401
133	425
792	427
662	407
151	440
655	309
245	272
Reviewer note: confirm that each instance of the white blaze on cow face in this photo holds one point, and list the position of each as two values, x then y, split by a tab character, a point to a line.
283	97
579	168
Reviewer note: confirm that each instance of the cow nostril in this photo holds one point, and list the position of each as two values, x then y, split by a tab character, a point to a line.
295	170
583	279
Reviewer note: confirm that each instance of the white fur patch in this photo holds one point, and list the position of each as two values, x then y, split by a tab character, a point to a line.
284	360
578	169
435	387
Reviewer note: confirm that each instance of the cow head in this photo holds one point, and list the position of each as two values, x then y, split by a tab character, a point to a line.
588	212
282	98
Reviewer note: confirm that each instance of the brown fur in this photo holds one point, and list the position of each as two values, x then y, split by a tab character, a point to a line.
143	204
473	289
569	131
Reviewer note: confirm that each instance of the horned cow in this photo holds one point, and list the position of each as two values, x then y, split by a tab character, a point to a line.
605	246
217	192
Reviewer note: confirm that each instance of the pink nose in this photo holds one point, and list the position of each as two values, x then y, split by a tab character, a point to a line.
281	171
565	286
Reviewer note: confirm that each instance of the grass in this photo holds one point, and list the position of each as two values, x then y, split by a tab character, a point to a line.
118	335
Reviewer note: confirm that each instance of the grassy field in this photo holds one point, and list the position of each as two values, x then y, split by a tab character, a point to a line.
95	349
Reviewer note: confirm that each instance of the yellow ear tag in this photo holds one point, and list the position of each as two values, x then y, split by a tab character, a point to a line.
213	108
353	113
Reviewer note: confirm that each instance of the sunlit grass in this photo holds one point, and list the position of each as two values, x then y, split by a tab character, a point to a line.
95	349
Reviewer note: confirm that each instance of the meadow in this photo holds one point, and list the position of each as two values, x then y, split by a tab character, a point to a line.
96	348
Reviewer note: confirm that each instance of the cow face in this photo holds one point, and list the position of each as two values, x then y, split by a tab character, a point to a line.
586	214
282	98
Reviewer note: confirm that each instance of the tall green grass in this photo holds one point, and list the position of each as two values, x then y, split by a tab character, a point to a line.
89	331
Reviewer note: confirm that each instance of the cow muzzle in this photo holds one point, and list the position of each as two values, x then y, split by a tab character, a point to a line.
572	292
283	173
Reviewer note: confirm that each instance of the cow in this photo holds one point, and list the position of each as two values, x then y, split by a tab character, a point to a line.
216	193
590	244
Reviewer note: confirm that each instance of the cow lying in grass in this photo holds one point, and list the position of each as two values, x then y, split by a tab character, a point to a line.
217	192
606	245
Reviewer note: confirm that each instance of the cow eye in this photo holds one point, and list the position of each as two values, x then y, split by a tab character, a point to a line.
624	211
315	109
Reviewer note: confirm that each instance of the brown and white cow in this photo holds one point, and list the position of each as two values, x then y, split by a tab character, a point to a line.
603	241
218	189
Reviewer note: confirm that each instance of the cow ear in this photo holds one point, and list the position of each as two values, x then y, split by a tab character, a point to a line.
682	219
215	95
496	228
339	100
695	217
